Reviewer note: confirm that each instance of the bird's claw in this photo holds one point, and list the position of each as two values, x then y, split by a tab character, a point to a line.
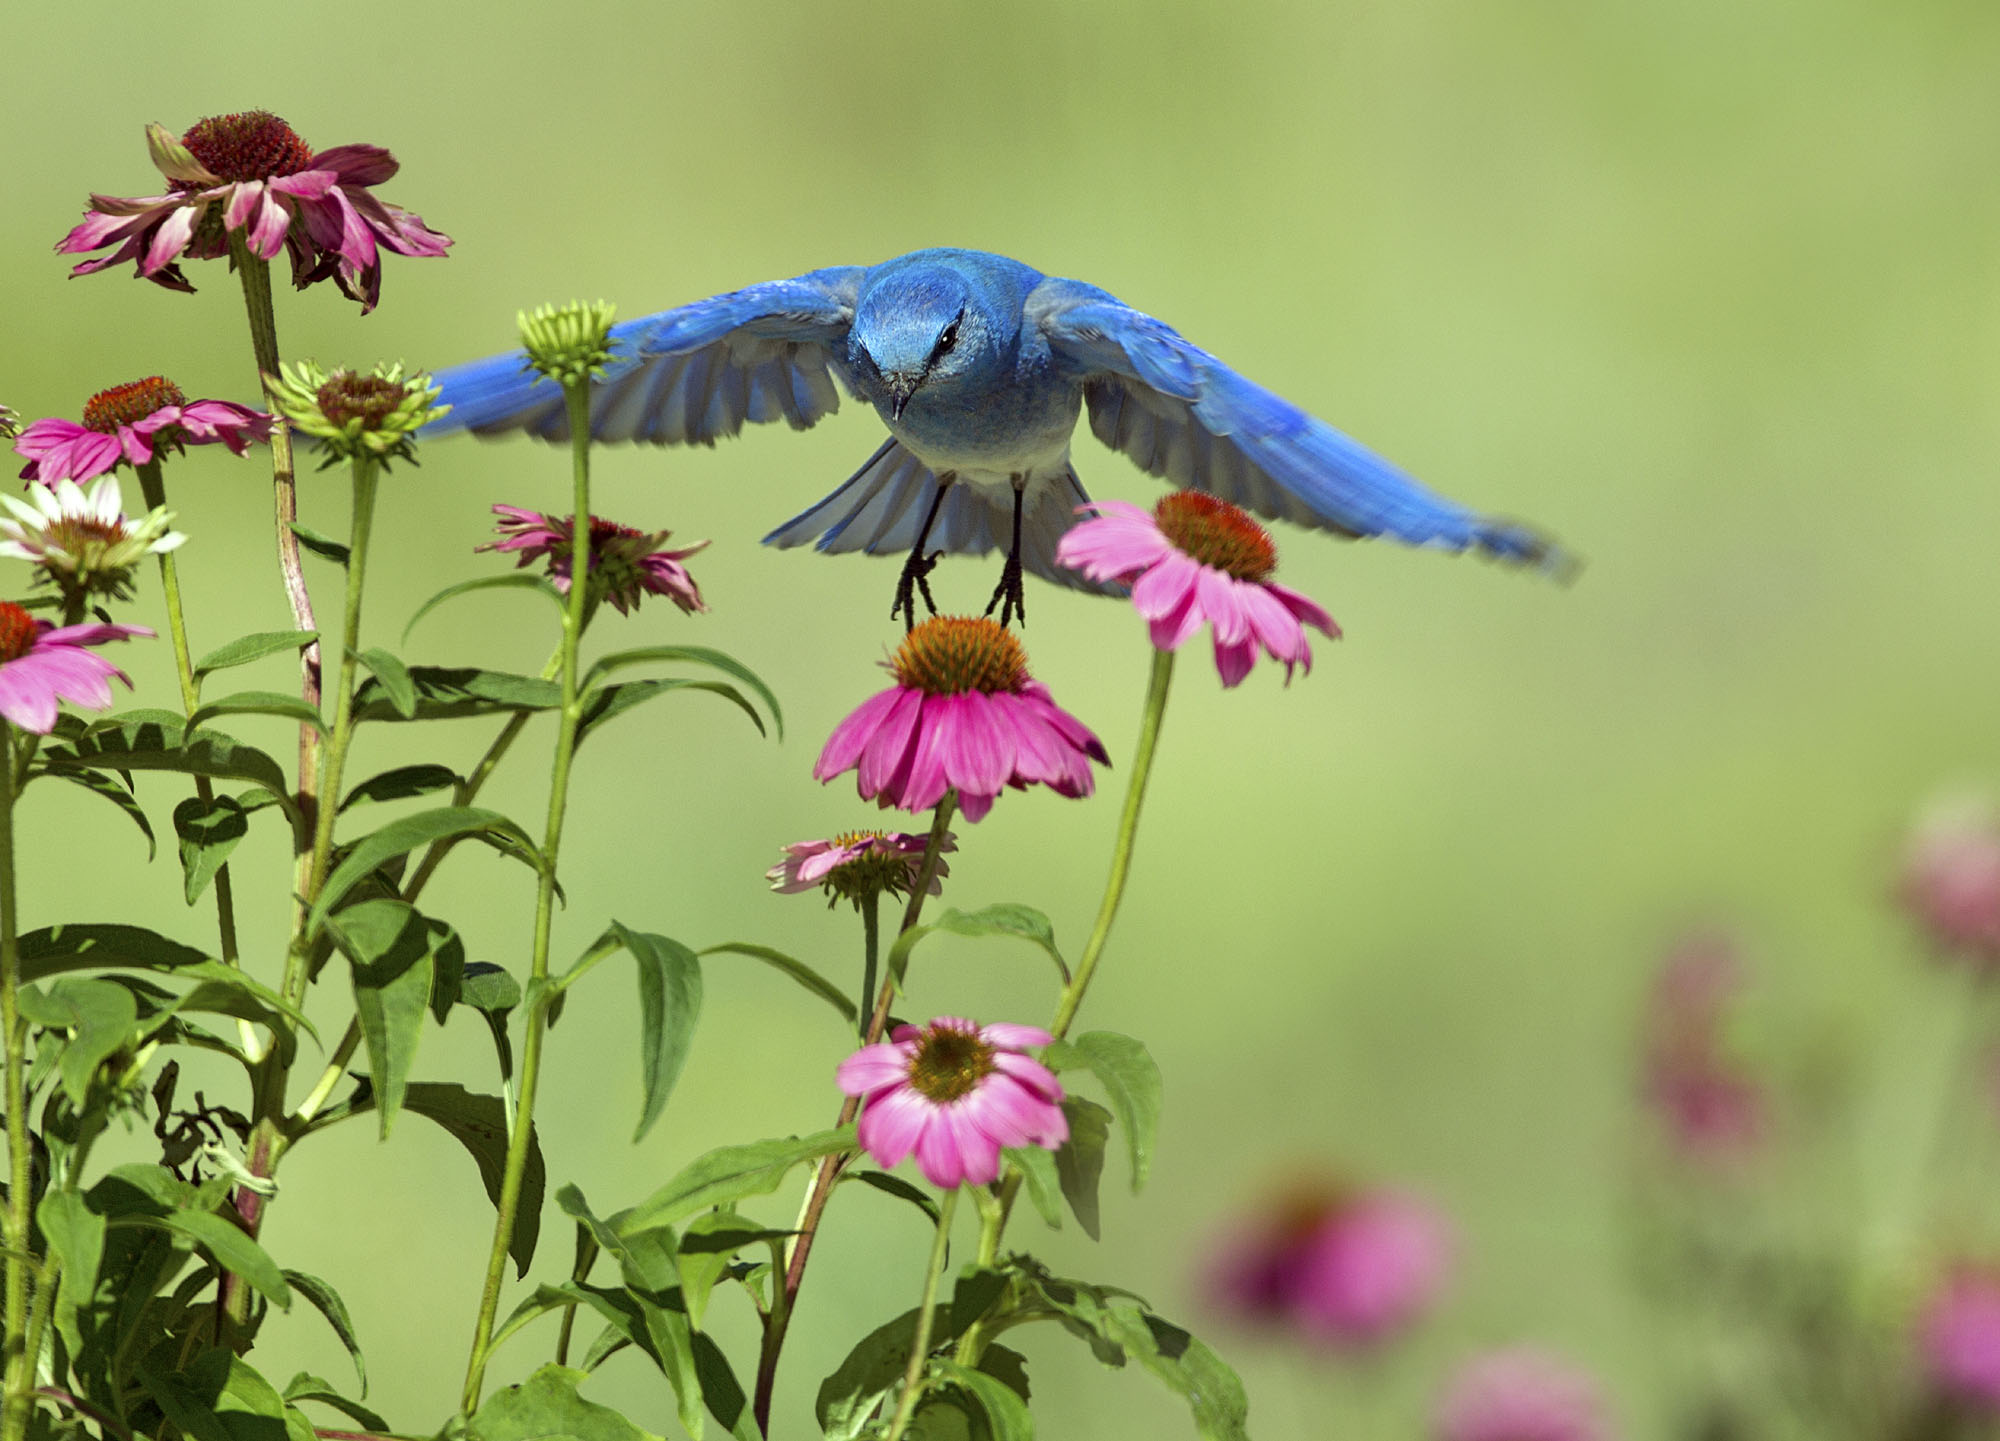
915	581
1011	594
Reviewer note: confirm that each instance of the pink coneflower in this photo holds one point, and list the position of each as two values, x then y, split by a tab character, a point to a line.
1710	1107
137	422
964	713
626	564
41	666
251	174
1960	1336
1192	559
859	864
954	1092
1350	1269
1521	1394
1951	879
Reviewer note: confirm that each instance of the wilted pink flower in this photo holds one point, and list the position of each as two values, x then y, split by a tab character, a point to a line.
625	564
1348	1268
963	713
1712	1109
954	1092
1960	1336
41	666
1521	1394
1951	878
251	174
136	422
858	865
1194	558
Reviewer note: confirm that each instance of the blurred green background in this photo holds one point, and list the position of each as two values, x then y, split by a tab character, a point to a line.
1708	289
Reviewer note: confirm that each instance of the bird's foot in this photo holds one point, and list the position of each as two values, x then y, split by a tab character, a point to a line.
1010	595
914	581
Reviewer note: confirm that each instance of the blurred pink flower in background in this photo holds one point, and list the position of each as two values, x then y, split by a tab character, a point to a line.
1711	1109
1348	1268
1521	1394
1951	878
42	665
1959	1336
859	864
626	564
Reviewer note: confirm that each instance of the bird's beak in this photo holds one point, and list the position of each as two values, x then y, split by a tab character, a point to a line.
901	385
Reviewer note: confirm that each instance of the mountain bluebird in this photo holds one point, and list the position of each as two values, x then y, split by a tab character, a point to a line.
978	366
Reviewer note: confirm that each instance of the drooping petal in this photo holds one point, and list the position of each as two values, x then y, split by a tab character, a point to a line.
873	1067
892	1124
889	747
843	748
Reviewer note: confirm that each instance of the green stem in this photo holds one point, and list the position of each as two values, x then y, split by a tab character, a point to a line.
992	1221
16	1401
920	1344
1121	854
871	944
577	397
366	476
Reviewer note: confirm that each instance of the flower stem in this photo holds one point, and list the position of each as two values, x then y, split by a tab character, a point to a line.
577	397
871	943
828	1174
16	1401
920	1344
366	476
1121	855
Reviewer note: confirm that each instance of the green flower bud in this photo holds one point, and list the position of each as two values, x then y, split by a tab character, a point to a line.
568	343
352	415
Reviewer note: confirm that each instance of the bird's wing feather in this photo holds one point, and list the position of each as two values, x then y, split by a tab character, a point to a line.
686	376
1182	414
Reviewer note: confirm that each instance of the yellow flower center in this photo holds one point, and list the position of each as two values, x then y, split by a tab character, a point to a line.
128	404
953	654
949	1064
1217	533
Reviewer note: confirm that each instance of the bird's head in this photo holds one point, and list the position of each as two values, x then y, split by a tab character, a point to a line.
917	328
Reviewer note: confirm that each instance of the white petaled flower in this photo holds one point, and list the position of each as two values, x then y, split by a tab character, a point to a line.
81	539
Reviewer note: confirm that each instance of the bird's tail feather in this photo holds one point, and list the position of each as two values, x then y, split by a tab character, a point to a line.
879	509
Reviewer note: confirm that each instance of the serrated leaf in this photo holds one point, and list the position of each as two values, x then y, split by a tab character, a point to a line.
546	1406
453	693
101	785
1080	1162
323	546
799	971
245	649
401	784
731	1173
1005	919
669	1007
259	702
395	680
327	1302
698	655
392	956
513	580
208	831
606	702
405	834
1041	1179
156	741
1131	1082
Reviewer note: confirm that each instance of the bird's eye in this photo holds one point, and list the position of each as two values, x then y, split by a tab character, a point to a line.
947	338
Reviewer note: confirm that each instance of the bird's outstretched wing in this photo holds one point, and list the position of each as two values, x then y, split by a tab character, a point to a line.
1184	415
686	376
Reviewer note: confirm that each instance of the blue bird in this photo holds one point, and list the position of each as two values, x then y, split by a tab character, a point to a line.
979	367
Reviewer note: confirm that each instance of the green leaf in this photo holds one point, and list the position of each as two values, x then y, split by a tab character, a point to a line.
1080	1162
223	1240
602	704
260	702
731	1173
512	580
1005	919
697	654
55	949
401	784
873	1369
1006	1412
100	1017
1131	1083
219	1398
245	649
307	1387
799	971
479	1123
973	1295
453	693
722	1392
75	1237
99	784
545	1407
1040	1177
669	1006
327	1302
155	741
323	546
395	680
405	834
705	1250
208	832
223	990
489	990
394	954
896	1186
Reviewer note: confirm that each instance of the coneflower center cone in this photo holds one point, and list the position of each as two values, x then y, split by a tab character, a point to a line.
1217	533
248	145
953	654
347	397
128	404
17	631
949	1064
